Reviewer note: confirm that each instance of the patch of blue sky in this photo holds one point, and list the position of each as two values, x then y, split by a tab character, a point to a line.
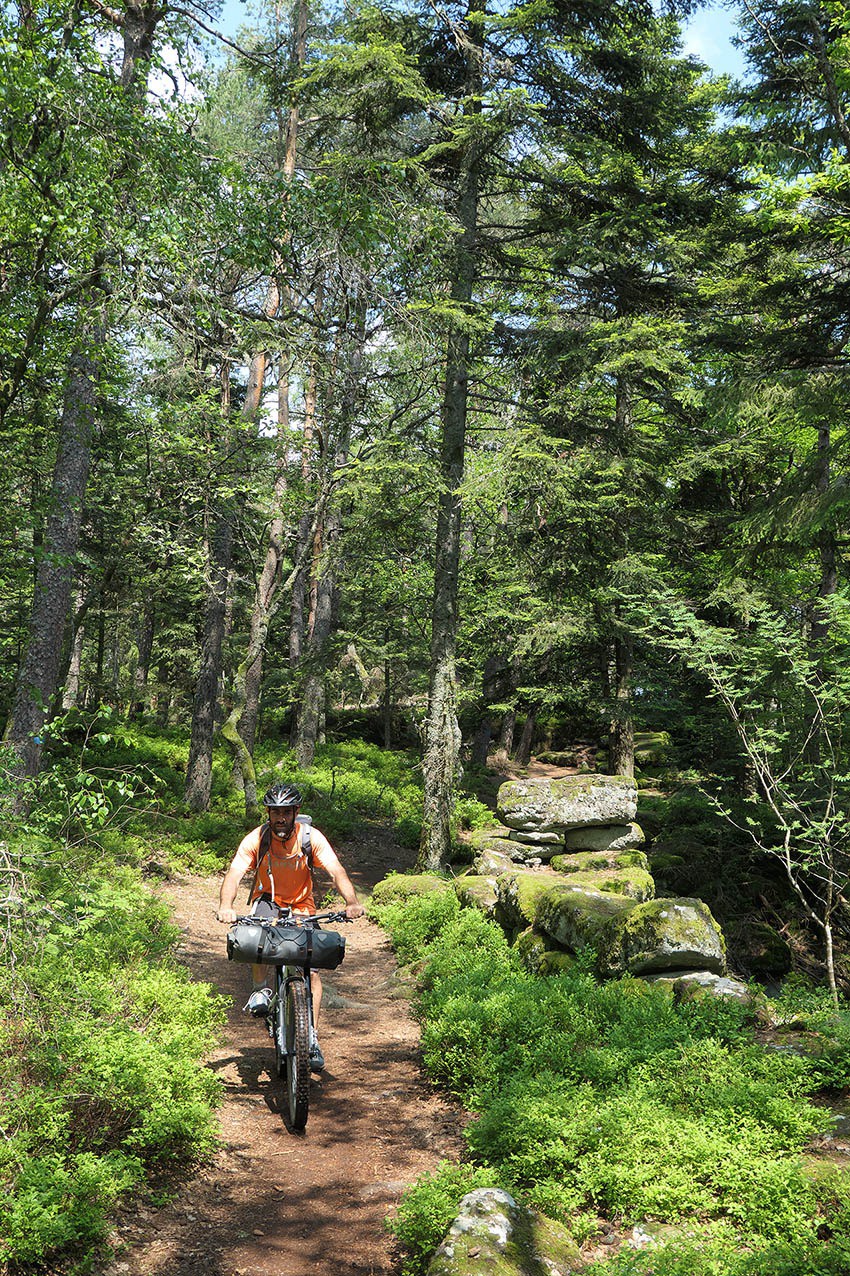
708	36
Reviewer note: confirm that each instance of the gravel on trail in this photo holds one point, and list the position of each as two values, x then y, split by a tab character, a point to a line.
270	1201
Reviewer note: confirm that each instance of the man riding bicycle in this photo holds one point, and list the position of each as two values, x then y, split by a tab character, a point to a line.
284	880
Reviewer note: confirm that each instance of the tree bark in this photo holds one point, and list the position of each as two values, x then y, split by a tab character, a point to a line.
442	738
40	671
621	733
71	685
311	712
526	739
199	769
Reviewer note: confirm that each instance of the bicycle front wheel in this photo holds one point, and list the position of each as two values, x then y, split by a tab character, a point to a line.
297	1053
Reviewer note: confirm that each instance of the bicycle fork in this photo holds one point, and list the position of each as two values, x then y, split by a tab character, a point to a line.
276	1021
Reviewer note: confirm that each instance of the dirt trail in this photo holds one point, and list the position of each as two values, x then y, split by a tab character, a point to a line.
275	1202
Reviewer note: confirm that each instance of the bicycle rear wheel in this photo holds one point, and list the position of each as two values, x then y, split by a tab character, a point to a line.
297	1053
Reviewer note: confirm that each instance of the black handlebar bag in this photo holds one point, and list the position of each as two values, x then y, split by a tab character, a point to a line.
282	945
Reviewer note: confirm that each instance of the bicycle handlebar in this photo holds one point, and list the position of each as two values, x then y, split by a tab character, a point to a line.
293	919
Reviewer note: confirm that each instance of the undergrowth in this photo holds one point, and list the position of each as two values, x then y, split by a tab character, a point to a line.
608	1101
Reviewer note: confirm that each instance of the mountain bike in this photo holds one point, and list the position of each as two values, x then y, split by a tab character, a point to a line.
290	1017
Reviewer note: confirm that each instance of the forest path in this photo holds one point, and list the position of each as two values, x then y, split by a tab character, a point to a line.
274	1202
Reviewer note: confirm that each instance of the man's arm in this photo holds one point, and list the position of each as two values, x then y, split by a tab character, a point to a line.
242	861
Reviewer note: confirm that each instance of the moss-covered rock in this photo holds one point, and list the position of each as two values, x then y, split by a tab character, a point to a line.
517	894
493	1234
597	861
538	954
663	934
636	883
401	886
570	802
652	748
694	985
575	916
607	837
477	892
489	863
482	839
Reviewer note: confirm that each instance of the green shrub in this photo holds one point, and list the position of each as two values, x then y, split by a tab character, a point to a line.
610	1098
428	1209
101	1078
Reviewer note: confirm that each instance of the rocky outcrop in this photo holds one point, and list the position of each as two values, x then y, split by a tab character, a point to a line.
609	837
494	1234
596	892
477	892
576	801
664	934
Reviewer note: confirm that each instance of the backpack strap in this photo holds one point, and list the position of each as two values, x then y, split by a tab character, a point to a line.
306	822
265	849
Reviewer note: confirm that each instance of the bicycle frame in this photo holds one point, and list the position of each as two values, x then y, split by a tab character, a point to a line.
290	1021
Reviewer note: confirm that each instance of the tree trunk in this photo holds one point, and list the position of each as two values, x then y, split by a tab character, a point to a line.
71	689
140	674
526	739
621	733
163	695
442	739
480	751
199	769
40	673
388	703
311	711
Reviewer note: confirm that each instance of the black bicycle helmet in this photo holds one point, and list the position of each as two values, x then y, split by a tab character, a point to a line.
282	795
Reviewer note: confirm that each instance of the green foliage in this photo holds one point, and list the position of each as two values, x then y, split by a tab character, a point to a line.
611	1098
349	782
102	1042
426	1212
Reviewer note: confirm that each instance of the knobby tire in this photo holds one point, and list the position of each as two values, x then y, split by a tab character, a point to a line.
298	1053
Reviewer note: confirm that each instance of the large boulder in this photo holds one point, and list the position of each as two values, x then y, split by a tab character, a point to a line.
517	896
545	806
663	934
606	837
477	892
635	883
493	1234
575	916
539	954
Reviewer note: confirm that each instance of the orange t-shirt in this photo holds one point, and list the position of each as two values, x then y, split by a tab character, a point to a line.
289	882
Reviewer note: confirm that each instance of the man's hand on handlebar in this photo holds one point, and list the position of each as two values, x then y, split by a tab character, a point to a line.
353	911
226	915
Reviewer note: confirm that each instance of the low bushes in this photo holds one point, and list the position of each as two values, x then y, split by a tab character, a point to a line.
607	1100
100	1080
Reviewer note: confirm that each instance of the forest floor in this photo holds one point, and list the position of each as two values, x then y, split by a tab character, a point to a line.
270	1201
